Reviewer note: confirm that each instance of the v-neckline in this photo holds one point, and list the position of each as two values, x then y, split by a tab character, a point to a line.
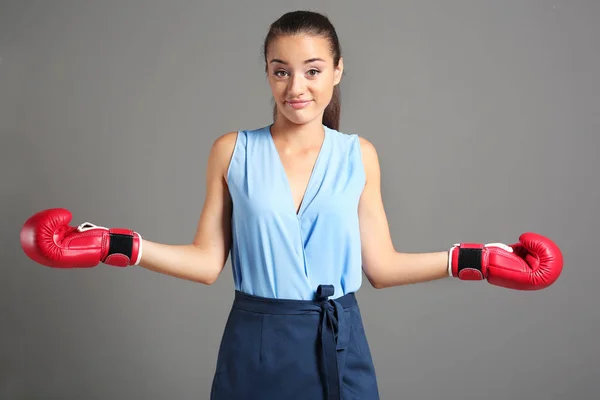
303	200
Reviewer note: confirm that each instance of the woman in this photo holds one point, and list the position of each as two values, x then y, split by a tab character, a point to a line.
298	206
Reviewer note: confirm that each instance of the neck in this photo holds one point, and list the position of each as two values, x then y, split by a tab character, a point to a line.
298	135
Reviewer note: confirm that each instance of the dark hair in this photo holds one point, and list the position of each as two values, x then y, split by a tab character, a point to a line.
311	23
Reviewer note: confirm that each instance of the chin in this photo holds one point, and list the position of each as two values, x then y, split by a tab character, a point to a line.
301	117
301	120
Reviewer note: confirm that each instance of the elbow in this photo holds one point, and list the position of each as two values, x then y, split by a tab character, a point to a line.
381	275
210	279
212	274
203	279
380	272
376	280
209	270
207	277
378	284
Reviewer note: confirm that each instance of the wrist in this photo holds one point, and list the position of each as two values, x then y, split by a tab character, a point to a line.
467	261
124	248
449	261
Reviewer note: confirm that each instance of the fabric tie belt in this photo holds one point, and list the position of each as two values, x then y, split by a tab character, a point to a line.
333	330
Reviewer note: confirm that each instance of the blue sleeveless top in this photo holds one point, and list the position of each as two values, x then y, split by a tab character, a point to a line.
278	253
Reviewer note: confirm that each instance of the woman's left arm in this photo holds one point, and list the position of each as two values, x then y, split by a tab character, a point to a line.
382	264
533	263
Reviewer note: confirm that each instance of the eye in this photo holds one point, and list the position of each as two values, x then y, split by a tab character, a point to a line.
313	72
279	73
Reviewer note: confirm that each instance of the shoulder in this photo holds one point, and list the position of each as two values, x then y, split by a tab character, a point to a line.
223	146
369	153
225	142
223	150
221	153
368	150
351	141
370	158
354	140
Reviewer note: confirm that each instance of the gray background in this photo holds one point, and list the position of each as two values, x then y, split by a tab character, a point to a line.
485	115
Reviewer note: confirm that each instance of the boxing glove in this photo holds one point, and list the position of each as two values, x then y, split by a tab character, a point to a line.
534	263
47	239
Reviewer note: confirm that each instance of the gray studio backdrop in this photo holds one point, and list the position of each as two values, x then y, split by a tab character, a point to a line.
486	118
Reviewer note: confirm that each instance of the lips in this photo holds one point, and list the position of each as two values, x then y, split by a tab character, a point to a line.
298	104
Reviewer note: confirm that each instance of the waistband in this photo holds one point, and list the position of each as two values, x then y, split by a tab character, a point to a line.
333	327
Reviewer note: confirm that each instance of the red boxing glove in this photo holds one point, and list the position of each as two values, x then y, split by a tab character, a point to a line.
534	263
47	239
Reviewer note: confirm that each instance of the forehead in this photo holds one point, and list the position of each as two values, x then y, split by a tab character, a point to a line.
296	49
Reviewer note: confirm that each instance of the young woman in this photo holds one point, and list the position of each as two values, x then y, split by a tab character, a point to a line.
297	204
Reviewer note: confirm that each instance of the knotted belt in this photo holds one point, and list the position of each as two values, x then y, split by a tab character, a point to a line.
333	334
333	326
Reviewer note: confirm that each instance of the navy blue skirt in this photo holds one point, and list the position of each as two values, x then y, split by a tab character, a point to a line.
294	349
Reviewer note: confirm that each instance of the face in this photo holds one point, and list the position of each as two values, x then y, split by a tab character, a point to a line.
302	76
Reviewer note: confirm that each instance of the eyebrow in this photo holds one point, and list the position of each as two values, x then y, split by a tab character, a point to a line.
277	60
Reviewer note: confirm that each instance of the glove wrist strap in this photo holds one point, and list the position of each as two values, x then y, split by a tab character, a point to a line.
466	262
124	248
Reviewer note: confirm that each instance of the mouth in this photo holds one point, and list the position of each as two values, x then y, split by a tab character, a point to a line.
298	104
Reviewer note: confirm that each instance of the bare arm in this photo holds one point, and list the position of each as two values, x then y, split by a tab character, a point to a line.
202	260
382	264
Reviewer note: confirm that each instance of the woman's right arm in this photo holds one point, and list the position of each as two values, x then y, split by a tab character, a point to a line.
202	260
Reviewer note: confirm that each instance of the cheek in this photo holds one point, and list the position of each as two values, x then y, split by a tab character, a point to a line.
324	92
277	91
324	86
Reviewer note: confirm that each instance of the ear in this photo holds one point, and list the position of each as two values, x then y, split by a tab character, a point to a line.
339	71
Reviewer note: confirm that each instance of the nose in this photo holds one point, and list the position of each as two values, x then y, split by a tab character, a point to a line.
297	86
